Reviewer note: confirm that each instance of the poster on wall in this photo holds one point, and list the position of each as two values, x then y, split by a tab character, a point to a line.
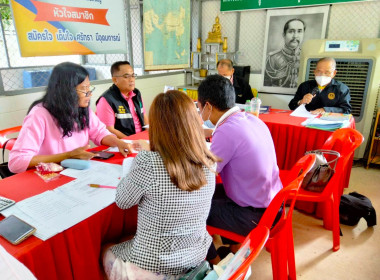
54	27
286	30
166	34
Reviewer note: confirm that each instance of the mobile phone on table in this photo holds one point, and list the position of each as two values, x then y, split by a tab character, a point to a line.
15	230
104	155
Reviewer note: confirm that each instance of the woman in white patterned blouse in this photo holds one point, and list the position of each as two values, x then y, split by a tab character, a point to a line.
172	181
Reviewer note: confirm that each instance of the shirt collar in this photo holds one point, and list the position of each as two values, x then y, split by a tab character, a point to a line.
226	115
130	95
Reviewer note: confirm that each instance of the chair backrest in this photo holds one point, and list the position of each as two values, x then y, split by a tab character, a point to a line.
3	137
299	171
248	252
344	141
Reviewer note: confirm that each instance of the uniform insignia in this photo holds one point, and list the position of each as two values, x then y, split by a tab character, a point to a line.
121	109
331	96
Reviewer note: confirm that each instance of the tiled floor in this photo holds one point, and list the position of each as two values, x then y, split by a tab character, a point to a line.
359	254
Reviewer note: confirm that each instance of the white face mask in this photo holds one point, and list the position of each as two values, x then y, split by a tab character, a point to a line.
323	80
201	114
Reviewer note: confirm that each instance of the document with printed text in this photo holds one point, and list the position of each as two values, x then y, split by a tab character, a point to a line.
302	112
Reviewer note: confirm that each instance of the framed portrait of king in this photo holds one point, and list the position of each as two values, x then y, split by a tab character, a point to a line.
286	31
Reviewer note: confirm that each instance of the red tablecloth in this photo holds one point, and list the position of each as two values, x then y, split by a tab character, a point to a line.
74	253
292	140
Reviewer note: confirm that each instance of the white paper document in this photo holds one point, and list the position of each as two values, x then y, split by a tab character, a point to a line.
302	112
54	211
127	164
99	173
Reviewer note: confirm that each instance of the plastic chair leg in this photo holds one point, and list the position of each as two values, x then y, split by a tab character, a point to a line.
328	214
336	225
279	257
291	257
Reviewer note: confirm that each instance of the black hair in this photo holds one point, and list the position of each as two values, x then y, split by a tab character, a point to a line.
116	66
286	26
218	91
61	98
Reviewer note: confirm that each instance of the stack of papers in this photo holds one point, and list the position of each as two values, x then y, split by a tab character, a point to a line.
335	117
54	211
318	123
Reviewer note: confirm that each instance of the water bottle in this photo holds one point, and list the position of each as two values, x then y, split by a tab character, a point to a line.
255	106
248	107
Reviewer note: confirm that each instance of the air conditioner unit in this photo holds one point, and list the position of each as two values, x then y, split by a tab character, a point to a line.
358	66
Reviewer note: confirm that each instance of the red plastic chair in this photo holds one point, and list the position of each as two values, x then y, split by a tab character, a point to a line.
280	242
3	137
344	141
255	242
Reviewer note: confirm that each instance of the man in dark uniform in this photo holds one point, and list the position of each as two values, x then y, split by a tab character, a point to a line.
324	94
243	90
121	108
281	69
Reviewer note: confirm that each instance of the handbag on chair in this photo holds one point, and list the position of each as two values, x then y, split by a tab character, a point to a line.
319	175
4	170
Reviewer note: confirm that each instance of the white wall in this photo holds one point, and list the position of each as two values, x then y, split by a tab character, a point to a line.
347	20
278	101
14	108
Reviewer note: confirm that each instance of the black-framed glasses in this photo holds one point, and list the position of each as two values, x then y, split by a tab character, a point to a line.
127	76
87	93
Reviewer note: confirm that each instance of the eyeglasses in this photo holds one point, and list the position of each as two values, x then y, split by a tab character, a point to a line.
87	93
127	76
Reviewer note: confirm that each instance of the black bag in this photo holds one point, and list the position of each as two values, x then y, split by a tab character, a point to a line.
4	170
353	207
319	175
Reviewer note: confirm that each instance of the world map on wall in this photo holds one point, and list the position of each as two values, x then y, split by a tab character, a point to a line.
166	34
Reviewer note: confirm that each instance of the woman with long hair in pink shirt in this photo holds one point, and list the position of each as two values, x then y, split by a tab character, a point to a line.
60	124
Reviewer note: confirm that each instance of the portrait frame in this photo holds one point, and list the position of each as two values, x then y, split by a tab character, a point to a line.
315	20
